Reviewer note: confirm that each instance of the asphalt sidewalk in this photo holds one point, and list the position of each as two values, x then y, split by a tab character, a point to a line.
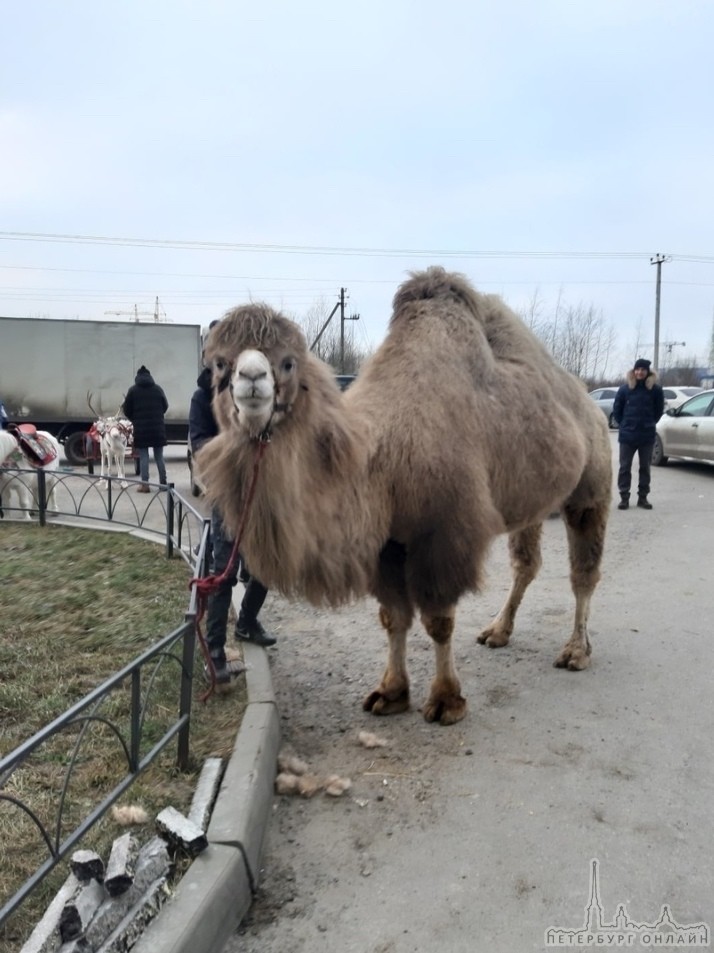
217	890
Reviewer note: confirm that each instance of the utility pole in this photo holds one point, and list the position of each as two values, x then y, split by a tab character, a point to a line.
353	317
658	260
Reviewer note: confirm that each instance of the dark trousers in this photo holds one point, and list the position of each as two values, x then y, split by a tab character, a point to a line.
144	464
624	475
219	602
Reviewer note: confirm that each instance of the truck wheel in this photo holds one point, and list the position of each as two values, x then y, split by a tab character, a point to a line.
75	449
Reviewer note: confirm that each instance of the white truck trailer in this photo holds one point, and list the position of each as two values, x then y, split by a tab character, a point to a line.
48	367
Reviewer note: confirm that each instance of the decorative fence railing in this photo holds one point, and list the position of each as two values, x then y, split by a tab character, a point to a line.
75	495
120	714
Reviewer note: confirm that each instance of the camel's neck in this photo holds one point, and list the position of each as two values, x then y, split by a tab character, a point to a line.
315	524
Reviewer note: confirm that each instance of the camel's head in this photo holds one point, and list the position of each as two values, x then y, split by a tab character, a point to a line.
256	355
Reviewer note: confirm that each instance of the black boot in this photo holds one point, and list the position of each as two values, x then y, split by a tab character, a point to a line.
644	503
624	503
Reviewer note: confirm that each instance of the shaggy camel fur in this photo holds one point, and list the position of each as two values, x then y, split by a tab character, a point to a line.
459	428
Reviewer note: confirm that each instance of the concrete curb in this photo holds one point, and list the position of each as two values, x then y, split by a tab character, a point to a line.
217	890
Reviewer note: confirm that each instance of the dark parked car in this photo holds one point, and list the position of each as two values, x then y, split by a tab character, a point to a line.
604	397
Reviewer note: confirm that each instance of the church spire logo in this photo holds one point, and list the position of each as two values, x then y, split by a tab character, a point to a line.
662	933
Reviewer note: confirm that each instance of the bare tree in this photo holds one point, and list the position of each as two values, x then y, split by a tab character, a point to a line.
577	336
329	346
682	372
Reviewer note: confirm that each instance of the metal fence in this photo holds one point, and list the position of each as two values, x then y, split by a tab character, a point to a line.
79	499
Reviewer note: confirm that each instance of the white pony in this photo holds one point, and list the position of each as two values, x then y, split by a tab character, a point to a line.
12	456
115	436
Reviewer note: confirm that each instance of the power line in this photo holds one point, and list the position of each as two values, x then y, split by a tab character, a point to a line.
198	245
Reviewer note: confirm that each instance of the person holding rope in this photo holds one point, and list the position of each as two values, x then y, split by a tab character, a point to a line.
202	427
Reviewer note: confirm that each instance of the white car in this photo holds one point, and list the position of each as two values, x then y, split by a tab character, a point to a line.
686	431
675	396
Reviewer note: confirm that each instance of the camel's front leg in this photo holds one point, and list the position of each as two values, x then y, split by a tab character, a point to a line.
445	704
524	549
391	696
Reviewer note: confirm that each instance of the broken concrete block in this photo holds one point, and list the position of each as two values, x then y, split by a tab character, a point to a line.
134	923
179	831
121	866
79	945
206	791
152	865
45	938
87	865
77	913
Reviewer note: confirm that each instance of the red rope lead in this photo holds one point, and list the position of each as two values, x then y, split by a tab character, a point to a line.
209	584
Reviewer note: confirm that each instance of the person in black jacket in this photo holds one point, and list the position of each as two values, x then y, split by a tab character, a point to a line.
202	427
639	403
145	405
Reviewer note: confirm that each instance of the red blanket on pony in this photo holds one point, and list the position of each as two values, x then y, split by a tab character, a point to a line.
37	451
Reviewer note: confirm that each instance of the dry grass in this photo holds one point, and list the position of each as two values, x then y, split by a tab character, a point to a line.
75	607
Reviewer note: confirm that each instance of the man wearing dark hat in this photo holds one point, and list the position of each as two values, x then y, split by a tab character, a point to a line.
639	404
145	405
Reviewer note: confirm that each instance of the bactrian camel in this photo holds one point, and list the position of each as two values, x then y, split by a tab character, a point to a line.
460	427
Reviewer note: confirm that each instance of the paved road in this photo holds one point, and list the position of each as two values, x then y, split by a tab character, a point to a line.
481	836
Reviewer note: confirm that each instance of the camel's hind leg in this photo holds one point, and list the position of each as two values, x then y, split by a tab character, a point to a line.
586	537
396	614
445	704
524	548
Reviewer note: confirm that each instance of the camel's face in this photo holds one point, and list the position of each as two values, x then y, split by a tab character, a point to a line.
263	390
255	355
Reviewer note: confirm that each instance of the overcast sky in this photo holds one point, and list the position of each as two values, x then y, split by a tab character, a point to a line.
332	145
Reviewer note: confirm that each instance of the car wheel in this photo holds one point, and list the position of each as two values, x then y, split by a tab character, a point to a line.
611	422
658	457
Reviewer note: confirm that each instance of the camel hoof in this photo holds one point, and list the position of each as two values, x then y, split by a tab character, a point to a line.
493	637
447	710
379	703
575	660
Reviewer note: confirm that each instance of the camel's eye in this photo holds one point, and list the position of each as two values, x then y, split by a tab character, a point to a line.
219	364
288	365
